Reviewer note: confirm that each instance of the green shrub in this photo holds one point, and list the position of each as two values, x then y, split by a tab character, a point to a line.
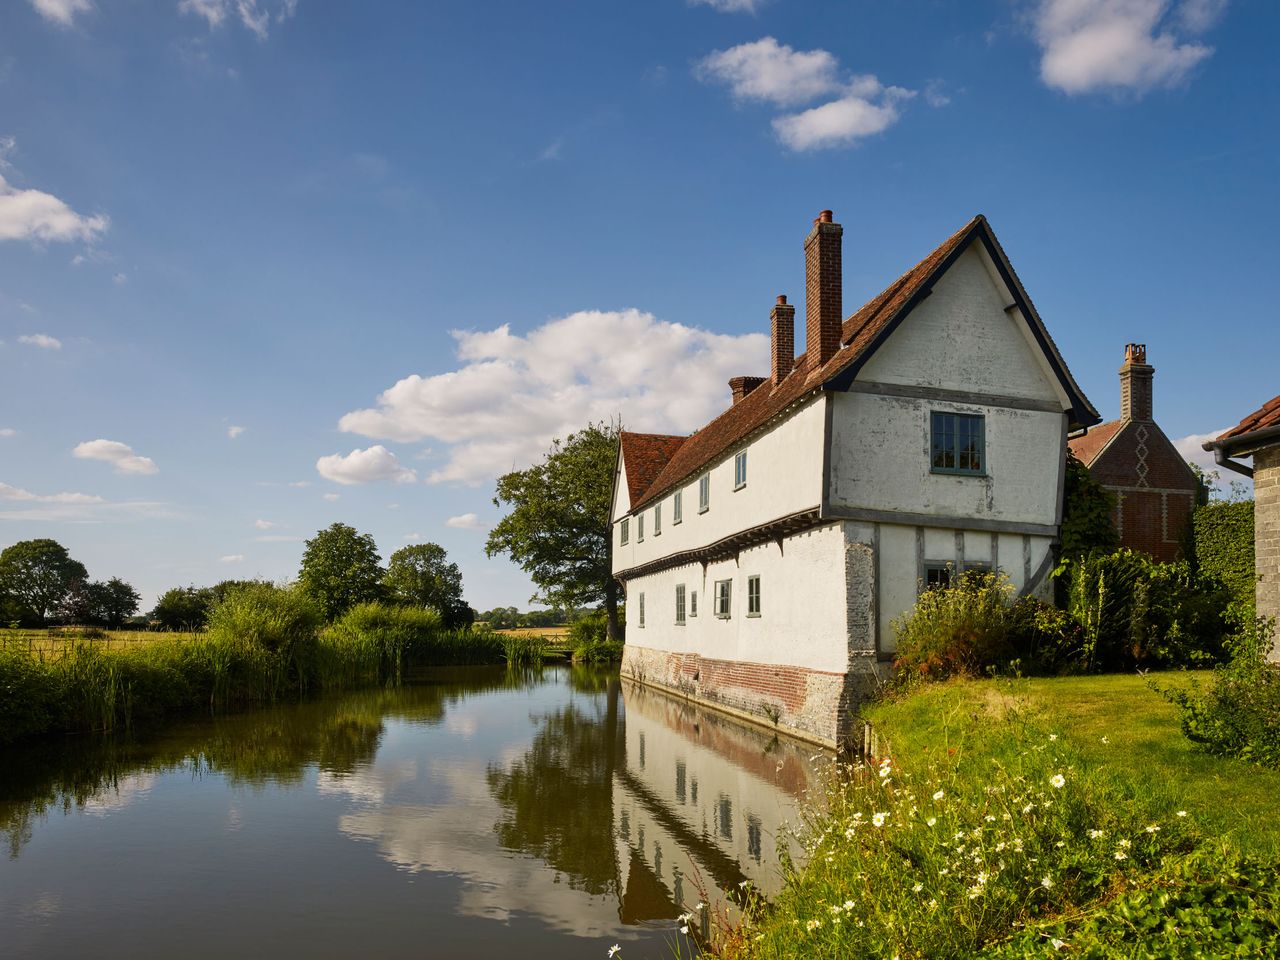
1239	714
589	638
1223	545
1134	611
958	630
31	696
523	650
267	634
381	639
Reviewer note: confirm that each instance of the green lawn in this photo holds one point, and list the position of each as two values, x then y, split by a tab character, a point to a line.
1144	751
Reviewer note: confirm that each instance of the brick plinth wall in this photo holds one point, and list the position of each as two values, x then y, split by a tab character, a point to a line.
812	704
1266	533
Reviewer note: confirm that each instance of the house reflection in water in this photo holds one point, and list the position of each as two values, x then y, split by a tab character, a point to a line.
699	804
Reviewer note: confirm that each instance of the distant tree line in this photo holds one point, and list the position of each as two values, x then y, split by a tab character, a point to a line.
40	583
507	618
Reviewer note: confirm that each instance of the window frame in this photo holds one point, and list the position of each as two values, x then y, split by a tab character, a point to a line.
753	596
740	470
639	528
693	603
704	493
641	610
938	422
947	567
724	599
657	519
681	594
625	531
677	507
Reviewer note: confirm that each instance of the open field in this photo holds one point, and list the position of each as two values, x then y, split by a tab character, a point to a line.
54	641
555	634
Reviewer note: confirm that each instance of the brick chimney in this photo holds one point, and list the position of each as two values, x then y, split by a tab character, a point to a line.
1135	383
782	322
741	386
822	282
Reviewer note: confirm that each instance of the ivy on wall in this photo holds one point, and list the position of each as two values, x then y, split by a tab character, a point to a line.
1087	509
1223	533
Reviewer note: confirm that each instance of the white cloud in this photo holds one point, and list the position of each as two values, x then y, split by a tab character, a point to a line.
255	16
38	216
1191	448
41	340
332	496
17	493
61	12
264	524
300	483
467	521
512	394
413	536
730	6
234	431
867	108
232	558
934	94
119	455
120	279
365	466
1120	45
772	71
552	150
8	432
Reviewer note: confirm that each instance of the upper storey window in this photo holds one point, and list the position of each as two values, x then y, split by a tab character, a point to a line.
677	507
640	527
958	443
704	493
740	470
657	520
626	531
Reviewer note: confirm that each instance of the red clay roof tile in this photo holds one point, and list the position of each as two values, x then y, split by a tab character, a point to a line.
1088	447
643	456
1268	415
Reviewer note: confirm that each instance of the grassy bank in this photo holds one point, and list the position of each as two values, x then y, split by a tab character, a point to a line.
263	644
1032	818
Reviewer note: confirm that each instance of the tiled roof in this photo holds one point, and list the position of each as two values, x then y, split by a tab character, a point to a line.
1268	415
861	334
644	455
1088	447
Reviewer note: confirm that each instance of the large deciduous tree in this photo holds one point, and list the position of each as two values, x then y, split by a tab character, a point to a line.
422	576
100	603
37	576
340	568
558	529
184	608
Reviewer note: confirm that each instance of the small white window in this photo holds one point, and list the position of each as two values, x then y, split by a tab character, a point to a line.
626	531
753	596
657	520
641	611
724	599
740	470
680	604
640	527
704	493
677	507
693	603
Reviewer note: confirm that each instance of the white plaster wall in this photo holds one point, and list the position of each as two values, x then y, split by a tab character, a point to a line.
621	494
880	458
784	476
960	338
900	564
803	621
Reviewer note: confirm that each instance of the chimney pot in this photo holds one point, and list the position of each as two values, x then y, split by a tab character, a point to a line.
782	299
824	217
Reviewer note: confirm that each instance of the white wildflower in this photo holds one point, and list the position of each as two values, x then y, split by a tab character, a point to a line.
1152	828
1058	781
932	821
1095	834
615	950
917	888
1053	736
1182	813
939	795
1046	882
1121	855
879	819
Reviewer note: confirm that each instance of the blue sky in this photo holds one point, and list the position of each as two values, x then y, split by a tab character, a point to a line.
265	265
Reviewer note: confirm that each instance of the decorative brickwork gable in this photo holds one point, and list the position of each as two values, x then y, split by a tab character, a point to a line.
1155	490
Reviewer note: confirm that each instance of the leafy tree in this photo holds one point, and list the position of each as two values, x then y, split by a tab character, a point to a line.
101	604
501	618
340	568
37	576
184	608
1087	508
558	529
422	576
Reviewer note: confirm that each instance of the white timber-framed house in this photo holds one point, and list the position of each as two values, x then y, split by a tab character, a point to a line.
765	556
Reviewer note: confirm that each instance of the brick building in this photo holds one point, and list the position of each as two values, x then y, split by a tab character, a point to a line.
1155	490
1258	436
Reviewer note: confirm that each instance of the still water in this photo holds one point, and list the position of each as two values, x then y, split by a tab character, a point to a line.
472	813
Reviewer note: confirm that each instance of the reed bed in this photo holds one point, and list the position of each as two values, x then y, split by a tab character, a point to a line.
263	643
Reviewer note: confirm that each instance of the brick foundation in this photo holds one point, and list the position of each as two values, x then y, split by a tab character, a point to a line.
812	704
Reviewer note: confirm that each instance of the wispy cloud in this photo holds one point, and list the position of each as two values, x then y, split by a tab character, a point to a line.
41	340
332	496
730	6
370	465
466	521
1121	45
119	455
6	432
552	150
234	431
232	558
8	492
512	394
17	504
61	12
265	524
253	15
768	71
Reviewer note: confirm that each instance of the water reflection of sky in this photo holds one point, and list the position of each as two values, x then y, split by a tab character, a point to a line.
550	819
